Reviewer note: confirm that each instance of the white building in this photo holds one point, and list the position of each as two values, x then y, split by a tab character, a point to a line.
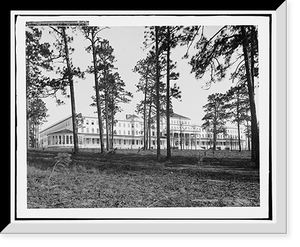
128	134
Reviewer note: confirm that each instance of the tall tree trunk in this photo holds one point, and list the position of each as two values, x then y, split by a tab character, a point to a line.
149	125
215	127
239	136
168	95
97	94
250	83
112	130
157	96
72	94
145	113
252	55
238	118
33	135
215	137
248	136
106	120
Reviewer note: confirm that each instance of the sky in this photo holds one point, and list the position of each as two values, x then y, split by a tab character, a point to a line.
128	49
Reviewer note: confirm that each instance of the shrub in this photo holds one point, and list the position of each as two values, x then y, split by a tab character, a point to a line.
63	161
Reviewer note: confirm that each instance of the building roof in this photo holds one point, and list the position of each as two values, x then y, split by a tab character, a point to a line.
175	115
130	116
56	123
63	131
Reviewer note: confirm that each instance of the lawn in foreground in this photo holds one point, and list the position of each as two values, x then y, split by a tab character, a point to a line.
132	179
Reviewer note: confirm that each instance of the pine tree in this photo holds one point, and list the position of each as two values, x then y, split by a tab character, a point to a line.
38	58
91	33
36	116
215	57
105	66
237	105
171	41
215	115
146	68
110	88
67	73
117	95
161	40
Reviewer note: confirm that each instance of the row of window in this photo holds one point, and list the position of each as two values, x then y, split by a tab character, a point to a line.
179	122
129	125
116	141
124	132
137	125
132	132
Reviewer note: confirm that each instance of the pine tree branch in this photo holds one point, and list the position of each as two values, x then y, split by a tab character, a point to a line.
56	30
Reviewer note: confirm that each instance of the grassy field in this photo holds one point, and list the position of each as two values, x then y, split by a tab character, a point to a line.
135	179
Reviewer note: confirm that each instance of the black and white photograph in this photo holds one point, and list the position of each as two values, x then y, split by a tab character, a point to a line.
144	117
155	116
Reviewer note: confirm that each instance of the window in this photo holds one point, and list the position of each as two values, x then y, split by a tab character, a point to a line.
129	132
132	142
87	130
137	142
136	132
120	141
87	122
120	126
67	141
120	133
124	132
98	141
123	124
97	130
92	122
93	141
92	130
124	142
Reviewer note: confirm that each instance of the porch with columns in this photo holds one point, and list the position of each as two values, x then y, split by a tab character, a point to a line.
63	138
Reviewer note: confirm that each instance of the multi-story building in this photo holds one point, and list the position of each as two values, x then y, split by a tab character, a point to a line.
128	134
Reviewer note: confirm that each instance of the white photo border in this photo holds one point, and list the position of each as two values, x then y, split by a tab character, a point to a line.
261	212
